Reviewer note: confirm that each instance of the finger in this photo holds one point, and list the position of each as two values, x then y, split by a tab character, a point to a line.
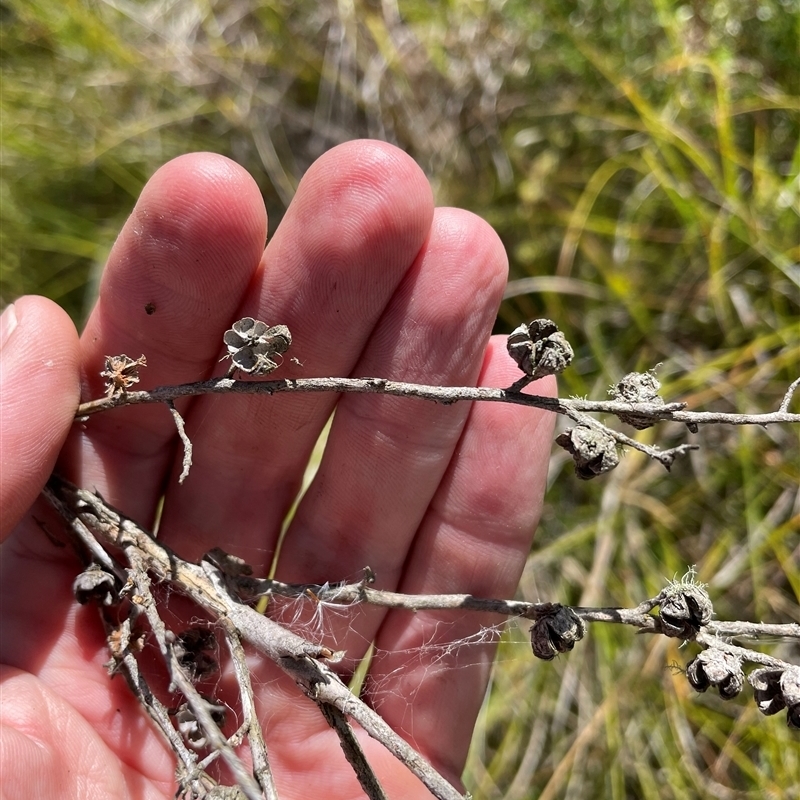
385	456
360	216
173	281
42	631
46	747
39	390
474	540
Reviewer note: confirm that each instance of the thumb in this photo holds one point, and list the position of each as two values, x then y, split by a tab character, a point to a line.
39	392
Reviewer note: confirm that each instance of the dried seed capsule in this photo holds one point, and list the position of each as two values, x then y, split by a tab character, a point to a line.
766	683
685	609
192	648
121	372
715	667
95	584
556	631
189	726
637	387
540	348
252	345
790	687
593	451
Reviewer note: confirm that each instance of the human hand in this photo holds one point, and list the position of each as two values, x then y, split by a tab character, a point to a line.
371	281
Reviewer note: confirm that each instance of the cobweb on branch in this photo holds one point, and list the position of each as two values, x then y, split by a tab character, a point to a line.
329	623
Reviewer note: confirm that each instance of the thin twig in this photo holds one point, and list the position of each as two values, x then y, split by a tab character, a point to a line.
180	680
255	736
755	630
187	444
638	617
206	585
787	398
441	394
216	591
664	457
84	535
575	409
353	752
244	780
187	772
352	593
708	639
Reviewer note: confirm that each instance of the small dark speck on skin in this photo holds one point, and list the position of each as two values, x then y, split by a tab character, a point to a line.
150	309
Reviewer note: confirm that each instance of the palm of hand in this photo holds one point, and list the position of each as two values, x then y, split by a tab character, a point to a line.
371	281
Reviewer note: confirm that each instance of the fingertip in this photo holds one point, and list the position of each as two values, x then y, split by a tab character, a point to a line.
364	191
372	162
39	392
200	214
178	269
206	180
465	238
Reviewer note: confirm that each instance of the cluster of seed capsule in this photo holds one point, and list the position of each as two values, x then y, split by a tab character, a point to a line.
539	349
684	610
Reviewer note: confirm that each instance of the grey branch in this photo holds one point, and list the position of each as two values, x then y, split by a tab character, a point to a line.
258	747
351	593
708	639
187	772
440	394
577	410
207	586
223	589
178	678
187	444
353	752
787	398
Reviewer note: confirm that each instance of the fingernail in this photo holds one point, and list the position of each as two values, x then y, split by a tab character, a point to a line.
8	321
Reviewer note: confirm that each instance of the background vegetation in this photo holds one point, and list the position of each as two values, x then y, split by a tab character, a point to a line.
640	159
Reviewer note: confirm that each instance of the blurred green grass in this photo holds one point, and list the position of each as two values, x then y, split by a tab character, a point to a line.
641	162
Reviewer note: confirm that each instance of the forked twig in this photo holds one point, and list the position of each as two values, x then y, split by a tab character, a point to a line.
221	588
207	586
684	612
